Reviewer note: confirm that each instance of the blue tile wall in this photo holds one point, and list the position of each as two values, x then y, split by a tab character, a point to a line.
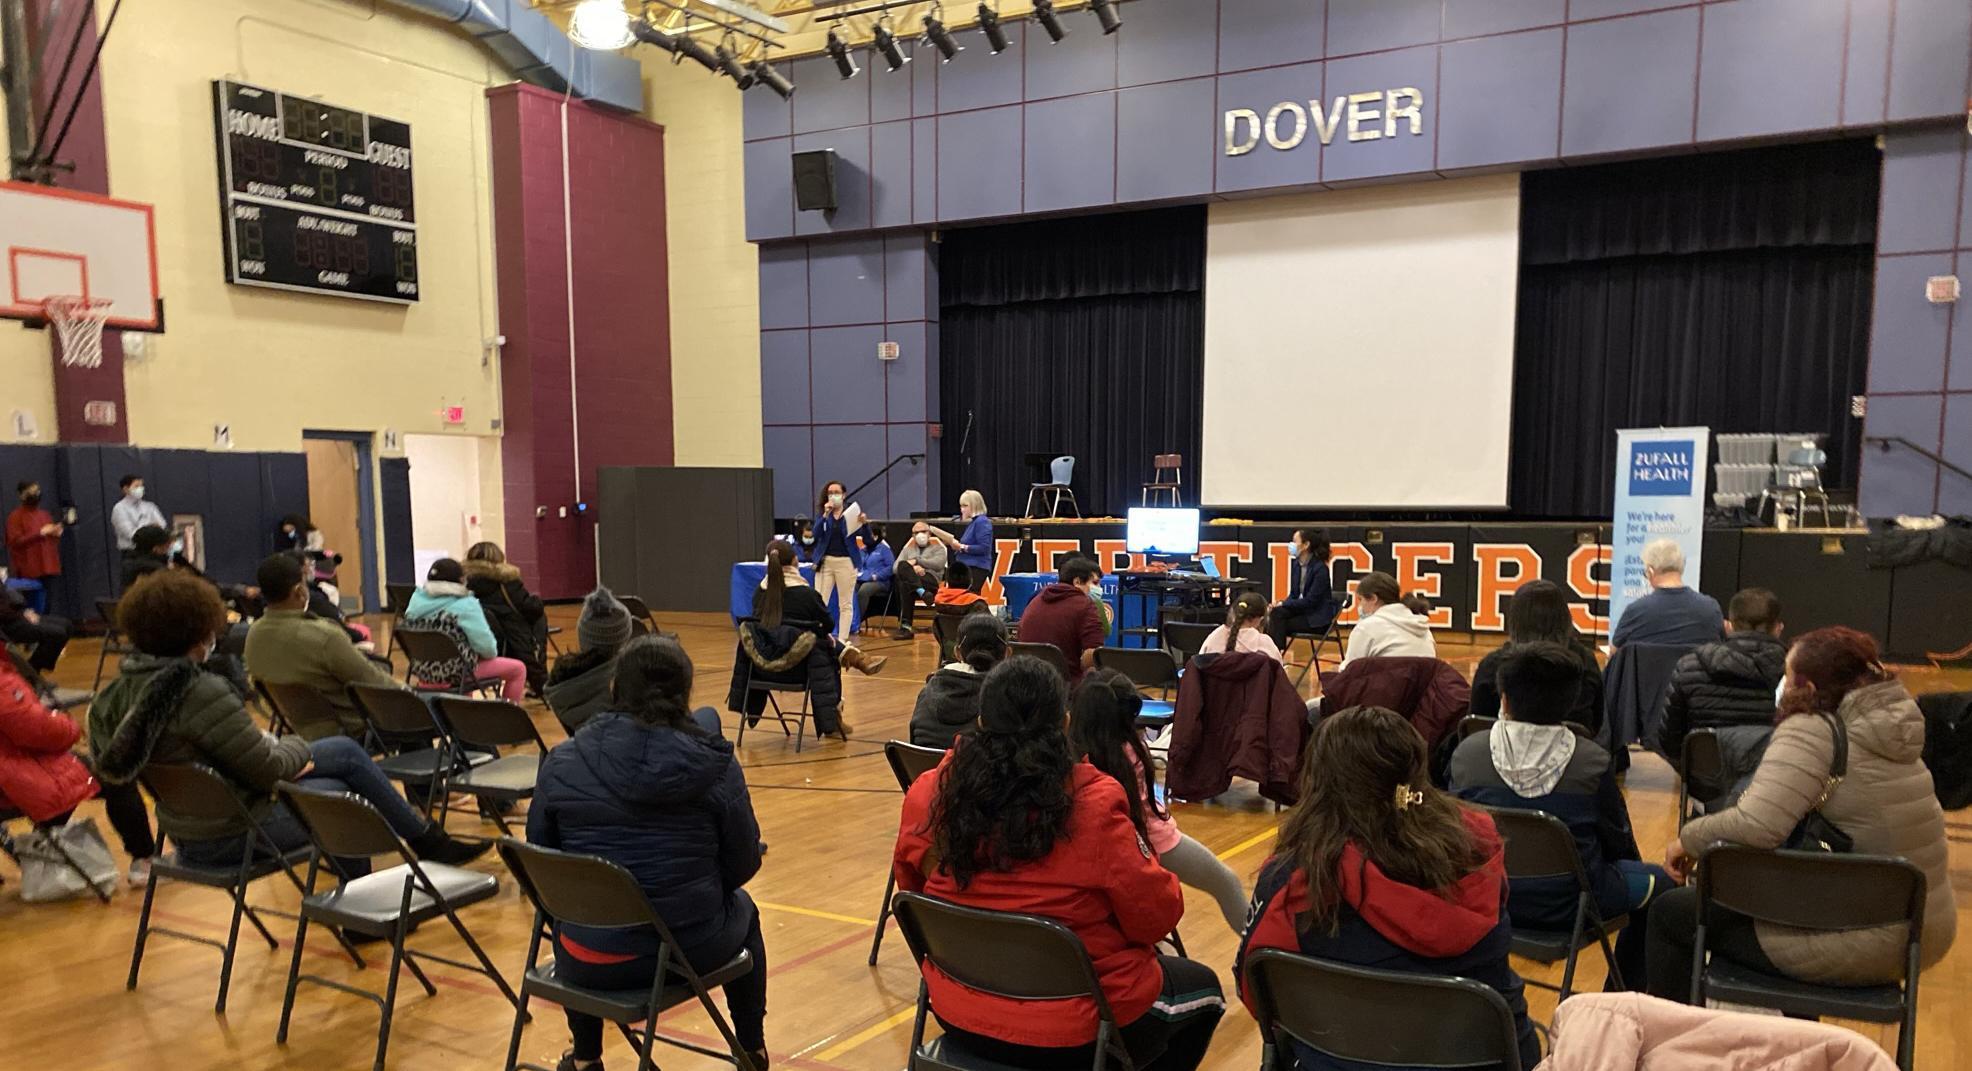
784	377
852	181
1770	66
1468	18
890	174
826	100
981	79
1955	491
1907	333
1629	83
1475	76
1082	62
1165	42
1270	33
1866	79
1070	153
790	452
1899	481
1387	153
1921	172
1152	163
979	164
1928	39
1374	25
845	282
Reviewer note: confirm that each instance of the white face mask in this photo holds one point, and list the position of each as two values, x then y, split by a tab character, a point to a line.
923	539
137	493
835	498
807	540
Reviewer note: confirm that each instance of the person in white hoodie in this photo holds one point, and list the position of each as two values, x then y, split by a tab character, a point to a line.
1389	624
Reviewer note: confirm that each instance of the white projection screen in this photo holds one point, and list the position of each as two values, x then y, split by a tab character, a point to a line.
1359	346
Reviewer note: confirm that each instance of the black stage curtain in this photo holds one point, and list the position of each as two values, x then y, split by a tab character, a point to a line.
1730	290
1081	336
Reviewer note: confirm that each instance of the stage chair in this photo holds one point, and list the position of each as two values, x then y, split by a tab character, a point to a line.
1850	892
909	762
1159	465
1539	845
113	641
1384	1018
1061	474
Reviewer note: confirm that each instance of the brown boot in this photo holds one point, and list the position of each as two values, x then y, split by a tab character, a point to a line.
868	665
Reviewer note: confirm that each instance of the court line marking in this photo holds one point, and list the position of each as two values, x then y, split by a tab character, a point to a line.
813	913
1248	843
868	1033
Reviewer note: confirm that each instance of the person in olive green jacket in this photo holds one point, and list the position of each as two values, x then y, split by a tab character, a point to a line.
290	646
162	707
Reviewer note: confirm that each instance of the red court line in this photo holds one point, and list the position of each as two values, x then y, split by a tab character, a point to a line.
814	954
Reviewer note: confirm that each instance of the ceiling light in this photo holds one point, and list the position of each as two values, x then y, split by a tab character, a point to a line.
989	24
766	74
730	65
940	37
1106	14
845	64
1044	14
885	41
600	24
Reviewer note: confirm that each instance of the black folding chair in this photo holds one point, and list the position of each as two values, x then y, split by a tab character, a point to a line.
430	646
639	611
1539	845
200	793
489	725
1845	892
771	689
387	904
1317	640
1474	724
113	641
1046	652
51	696
1186	638
909	762
585	890
400	598
1147	667
1701	765
300	710
1387	1018
1021	957
415	750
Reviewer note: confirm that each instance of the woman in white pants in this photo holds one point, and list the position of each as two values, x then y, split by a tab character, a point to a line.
836	556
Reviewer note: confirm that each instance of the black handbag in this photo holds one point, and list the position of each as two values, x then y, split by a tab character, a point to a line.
1815	833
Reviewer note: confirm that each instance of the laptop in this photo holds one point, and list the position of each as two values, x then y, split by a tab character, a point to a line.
1211	567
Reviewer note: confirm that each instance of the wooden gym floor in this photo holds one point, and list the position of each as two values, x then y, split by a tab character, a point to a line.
829	816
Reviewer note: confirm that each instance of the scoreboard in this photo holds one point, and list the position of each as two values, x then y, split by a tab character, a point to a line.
315	197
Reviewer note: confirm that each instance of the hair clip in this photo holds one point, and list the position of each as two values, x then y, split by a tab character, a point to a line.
1409	797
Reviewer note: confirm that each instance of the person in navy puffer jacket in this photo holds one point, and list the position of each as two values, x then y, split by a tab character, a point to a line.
650	785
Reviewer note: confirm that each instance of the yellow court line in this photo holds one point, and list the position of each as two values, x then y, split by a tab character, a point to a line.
865	1034
1248	843
814	914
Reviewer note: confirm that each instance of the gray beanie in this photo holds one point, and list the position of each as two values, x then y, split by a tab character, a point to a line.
604	621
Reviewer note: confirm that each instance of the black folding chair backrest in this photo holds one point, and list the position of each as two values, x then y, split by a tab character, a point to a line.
1849	892
1023	957
639	612
427	645
1046	652
1538	845
1702	764
488	722
585	890
910	762
1473	725
1391	1018
400	597
191	791
106	609
397	714
1186	638
340	823
306	710
1147	667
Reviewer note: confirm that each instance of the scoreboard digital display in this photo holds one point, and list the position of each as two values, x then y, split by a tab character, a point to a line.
315	197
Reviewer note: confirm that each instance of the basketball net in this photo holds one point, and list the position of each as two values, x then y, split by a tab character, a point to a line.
79	321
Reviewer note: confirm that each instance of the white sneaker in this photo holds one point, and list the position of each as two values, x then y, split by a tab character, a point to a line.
140	872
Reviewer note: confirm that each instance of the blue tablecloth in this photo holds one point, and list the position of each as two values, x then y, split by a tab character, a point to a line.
1019	589
747	578
31	592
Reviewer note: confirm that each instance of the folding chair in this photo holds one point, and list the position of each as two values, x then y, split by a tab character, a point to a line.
1386	1018
1023	957
300	710
113	641
51	696
1147	667
1700	763
1186	638
1850	892
1046	652
387	904
1539	845
1317	640
589	891
427	647
1474	724
909	762
489	725
416	752
199	792
639	611
12	850
945	628
772	689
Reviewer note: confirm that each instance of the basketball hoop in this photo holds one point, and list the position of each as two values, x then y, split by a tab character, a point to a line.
79	321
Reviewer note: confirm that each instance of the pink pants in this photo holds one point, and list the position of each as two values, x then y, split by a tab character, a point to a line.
512	673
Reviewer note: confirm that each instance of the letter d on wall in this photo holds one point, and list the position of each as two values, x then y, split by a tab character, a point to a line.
1234	117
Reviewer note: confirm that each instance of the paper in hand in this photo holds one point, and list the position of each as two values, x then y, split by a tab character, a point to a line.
853	516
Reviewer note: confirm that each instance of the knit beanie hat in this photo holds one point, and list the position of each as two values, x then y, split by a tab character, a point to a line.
604	622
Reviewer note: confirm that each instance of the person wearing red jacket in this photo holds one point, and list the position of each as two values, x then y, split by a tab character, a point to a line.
44	780
34	539
1010	821
1376	868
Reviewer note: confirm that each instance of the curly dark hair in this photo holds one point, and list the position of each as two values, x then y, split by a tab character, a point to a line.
170	612
1004	796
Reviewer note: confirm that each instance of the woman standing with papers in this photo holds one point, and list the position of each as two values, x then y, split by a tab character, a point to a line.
837	557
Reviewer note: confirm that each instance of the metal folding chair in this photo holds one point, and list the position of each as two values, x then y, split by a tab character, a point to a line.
489	725
1386	1018
1539	845
1046	652
113	641
908	762
1700	764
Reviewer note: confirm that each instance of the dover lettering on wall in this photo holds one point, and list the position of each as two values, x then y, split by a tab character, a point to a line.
1370	116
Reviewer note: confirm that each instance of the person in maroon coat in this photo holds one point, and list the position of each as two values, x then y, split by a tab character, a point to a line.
1065	614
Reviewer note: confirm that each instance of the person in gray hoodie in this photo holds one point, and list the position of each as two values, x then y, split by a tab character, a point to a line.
948	707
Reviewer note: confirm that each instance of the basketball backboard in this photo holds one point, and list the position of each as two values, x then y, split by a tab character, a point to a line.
56	242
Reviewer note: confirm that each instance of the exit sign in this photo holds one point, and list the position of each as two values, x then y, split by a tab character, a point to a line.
454	414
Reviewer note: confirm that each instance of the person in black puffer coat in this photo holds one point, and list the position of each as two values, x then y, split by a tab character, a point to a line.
645	786
517	616
1730	686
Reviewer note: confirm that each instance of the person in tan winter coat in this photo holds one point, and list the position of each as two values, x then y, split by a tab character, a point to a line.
1886	804
1630	1031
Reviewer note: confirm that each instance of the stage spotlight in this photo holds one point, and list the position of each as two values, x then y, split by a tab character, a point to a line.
600	24
1106	14
940	37
885	41
1044	14
766	74
730	65
989	24
845	64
